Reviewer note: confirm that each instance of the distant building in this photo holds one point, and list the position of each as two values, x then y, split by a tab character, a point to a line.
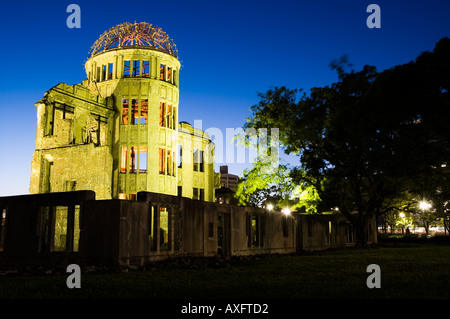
228	180
226	196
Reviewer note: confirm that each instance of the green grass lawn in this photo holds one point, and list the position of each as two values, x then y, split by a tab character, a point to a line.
407	271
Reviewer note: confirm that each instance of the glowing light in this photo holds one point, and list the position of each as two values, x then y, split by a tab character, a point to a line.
424	205
269	207
402	215
286	211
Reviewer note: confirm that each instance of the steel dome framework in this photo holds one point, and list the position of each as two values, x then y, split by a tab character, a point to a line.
137	34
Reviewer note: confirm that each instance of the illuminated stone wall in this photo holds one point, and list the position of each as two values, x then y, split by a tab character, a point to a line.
143	82
196	176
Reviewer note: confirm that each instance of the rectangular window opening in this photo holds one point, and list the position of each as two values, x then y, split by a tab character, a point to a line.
136	67
123	160
44	222
67	111
202	194
174	119
70	186
152	227
248	229
164	228
134	111
162	110
110	71
133	159
180	157
126	69
50	112
195	160
98	133
169	118
146	69
198	160
125	105
103	78
255	231
143	159
144	112
162	68
169	74
169	163
195	194
47	174
76	228
60	236
162	159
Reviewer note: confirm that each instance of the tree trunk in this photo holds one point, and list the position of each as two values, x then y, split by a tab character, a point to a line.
360	231
359	226
426	225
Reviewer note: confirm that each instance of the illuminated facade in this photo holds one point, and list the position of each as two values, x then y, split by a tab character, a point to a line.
117	133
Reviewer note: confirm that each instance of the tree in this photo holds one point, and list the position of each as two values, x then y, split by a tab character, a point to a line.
261	186
404	222
326	130
368	137
392	207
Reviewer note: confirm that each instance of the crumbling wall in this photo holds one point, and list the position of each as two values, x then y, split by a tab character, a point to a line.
157	227
31	232
81	167
73	142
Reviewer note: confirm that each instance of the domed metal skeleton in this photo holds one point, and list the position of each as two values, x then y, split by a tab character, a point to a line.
137	34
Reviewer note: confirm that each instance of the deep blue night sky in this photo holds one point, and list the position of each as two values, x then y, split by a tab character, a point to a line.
229	50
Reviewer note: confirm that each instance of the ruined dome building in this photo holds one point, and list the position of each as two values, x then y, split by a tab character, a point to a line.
117	133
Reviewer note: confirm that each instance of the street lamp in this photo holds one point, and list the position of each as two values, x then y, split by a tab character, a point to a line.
269	207
286	211
424	205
